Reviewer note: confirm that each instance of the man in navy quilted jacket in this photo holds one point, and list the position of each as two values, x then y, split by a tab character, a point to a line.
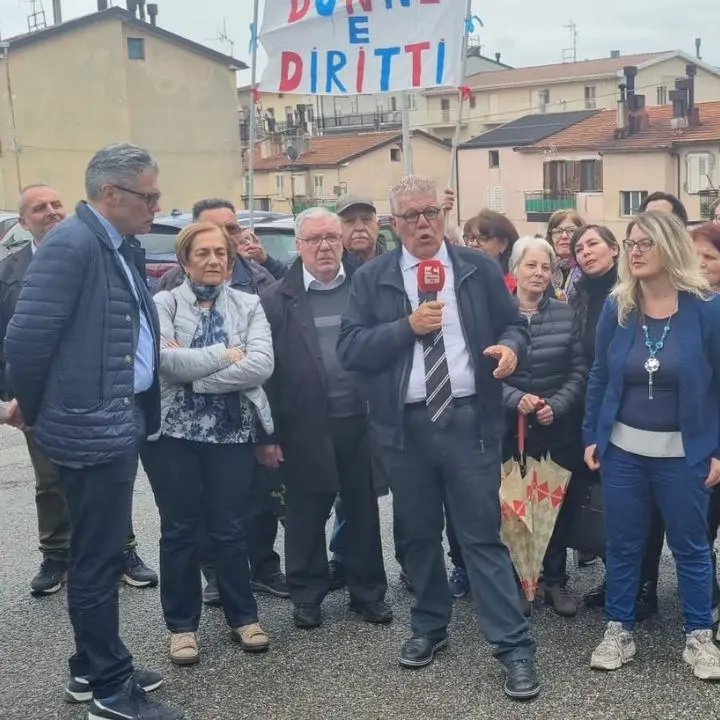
82	358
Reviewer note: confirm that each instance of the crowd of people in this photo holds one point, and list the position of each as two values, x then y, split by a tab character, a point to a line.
257	394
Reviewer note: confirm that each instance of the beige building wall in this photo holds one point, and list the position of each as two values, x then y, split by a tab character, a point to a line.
78	91
69	98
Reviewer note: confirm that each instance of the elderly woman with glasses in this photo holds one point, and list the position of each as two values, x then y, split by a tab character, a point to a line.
216	353
560	230
495	235
548	389
652	428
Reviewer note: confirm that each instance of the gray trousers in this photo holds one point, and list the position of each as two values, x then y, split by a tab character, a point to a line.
451	465
52	511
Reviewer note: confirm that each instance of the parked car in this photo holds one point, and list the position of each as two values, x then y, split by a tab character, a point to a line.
7	220
275	231
14	239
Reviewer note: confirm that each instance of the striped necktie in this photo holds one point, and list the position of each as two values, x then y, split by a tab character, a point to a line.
437	377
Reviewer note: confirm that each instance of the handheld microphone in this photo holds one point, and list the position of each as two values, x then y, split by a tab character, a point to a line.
430	278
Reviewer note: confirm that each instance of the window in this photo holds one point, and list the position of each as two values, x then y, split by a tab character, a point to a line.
410	103
395	155
543	99
473	102
380	103
280	185
136	48
319	186
354	105
247	183
393	104
590	97
289	115
495	199
630	201
590	176
298	183
445	109
337	107
662	95
494	158
700	172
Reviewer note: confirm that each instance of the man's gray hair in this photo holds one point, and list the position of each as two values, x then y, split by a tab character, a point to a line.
412	185
25	190
117	165
530	242
312	214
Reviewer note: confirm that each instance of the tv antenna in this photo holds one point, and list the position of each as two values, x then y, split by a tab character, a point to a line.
570	54
224	38
36	19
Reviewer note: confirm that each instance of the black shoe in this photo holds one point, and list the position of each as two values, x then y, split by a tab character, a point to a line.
272	585
419	651
647	602
586	559
211	594
131	703
78	688
336	571
307	617
522	681
136	573
596	597
377	612
405	580
49	579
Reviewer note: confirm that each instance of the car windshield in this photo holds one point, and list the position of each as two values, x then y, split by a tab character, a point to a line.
158	243
278	243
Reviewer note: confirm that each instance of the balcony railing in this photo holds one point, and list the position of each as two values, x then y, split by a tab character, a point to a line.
546	203
374	120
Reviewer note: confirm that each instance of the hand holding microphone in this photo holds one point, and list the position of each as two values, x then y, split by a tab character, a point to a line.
430	281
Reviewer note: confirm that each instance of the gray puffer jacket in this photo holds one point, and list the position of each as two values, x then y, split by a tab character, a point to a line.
209	369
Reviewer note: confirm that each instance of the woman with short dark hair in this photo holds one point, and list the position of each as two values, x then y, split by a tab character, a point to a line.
495	235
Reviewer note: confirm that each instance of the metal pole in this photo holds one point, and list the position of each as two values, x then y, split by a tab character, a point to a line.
253	117
406	138
461	103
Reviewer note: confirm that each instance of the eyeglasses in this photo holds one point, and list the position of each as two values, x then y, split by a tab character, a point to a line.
642	246
151	199
232	228
564	230
316	240
413	216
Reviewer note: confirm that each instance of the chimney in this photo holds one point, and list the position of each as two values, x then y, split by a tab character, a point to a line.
152	10
57	12
698	43
497	57
678	98
630	72
639	114
102	5
614	53
693	112
141	8
131	6
622	114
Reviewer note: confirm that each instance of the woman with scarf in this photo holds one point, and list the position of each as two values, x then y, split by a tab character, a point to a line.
561	227
216	353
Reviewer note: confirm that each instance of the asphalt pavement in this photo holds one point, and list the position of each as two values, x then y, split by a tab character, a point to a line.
346	670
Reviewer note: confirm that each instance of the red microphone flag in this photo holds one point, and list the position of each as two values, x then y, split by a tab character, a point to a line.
430	278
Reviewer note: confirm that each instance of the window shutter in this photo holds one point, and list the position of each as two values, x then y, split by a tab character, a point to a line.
549	176
575	176
598	175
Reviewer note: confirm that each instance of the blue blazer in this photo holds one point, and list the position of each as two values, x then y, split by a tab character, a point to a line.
697	326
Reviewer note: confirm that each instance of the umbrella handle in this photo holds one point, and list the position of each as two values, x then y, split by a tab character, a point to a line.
521	432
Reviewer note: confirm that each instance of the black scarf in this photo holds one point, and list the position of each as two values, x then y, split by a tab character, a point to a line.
588	300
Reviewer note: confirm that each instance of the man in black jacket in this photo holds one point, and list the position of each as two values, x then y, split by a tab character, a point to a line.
427	367
321	440
41	209
82	351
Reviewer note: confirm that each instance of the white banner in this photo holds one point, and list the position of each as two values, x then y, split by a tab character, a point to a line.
353	47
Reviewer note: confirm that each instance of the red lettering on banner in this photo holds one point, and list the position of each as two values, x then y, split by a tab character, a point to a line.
416	50
360	77
298	10
365	5
429	2
291	70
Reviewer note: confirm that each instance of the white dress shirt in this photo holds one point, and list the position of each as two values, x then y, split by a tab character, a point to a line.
312	283
462	375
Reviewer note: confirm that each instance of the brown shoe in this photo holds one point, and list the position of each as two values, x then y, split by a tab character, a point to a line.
184	648
561	602
252	638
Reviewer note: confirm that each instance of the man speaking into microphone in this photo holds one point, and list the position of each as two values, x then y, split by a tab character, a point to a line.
430	329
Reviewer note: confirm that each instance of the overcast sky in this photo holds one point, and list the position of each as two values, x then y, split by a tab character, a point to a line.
526	32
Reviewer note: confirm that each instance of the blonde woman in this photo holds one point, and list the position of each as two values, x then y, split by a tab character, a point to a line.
652	427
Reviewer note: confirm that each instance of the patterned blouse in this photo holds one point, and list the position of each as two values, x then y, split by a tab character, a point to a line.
221	419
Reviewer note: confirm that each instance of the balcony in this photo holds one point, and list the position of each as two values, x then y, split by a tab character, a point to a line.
363	121
539	206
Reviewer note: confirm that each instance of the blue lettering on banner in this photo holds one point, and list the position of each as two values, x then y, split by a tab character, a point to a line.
440	70
403	3
314	72
325	8
336	61
386	55
359	30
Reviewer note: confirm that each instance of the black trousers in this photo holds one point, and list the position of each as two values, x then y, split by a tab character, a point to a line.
306	514
99	500
197	487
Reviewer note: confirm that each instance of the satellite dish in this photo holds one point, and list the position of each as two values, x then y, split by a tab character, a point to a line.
292	153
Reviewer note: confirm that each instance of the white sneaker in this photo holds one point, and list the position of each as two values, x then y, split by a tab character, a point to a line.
702	655
616	649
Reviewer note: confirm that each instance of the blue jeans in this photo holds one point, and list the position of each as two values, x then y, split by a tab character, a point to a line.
201	486
630	482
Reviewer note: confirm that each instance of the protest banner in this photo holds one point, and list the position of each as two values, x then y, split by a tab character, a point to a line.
355	47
